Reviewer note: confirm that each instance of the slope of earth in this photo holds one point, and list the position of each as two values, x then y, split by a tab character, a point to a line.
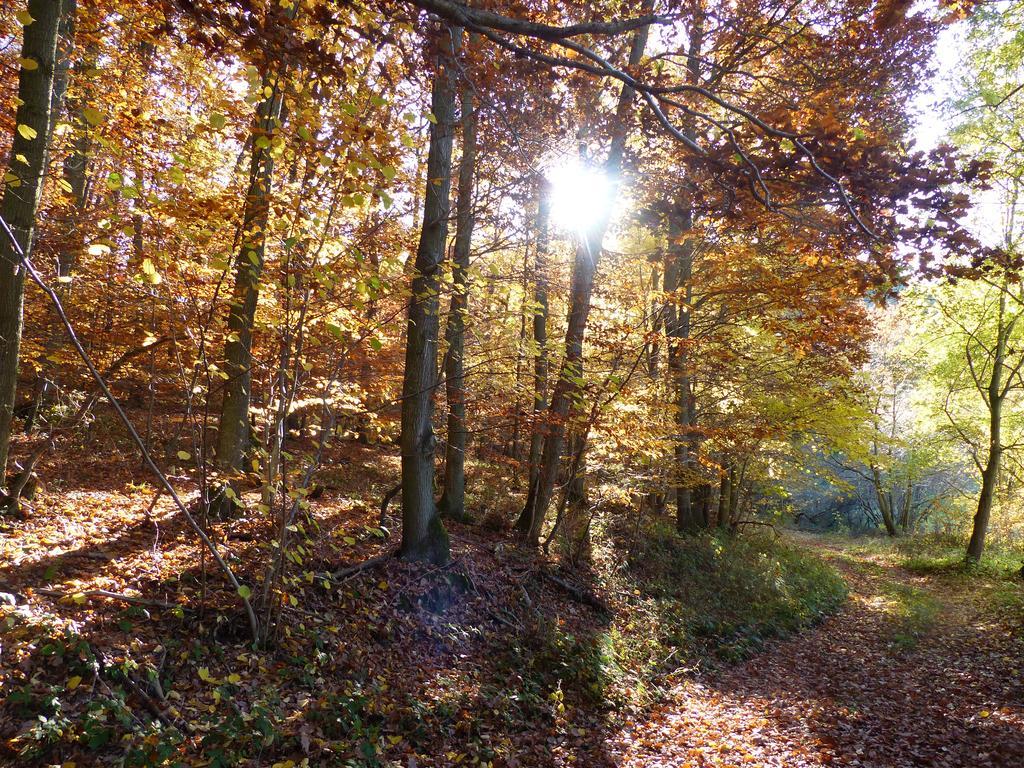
121	644
915	671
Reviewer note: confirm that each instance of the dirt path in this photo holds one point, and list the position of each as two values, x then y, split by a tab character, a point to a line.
913	672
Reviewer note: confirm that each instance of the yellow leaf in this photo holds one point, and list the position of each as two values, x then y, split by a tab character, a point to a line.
24	18
29	64
98	249
150	272
73	682
234	678
985	713
27	132
184	455
205	676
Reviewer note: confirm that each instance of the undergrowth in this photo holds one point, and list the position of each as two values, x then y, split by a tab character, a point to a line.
712	597
945	555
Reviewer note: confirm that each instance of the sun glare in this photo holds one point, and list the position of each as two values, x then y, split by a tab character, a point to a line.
581	196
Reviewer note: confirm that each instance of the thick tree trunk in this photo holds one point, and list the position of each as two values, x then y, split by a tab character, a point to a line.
983	515
705	504
724	492
884	503
423	534
452	502
540	360
22	192
568	387
233	434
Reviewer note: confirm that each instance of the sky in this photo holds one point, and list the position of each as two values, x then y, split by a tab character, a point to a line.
932	124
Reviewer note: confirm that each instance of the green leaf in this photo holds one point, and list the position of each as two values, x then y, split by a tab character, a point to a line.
218	121
244	592
92	116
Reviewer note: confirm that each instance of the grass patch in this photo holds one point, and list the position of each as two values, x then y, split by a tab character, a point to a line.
914	611
717	596
945	555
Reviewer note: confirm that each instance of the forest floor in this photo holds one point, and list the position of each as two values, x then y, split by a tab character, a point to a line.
919	669
708	650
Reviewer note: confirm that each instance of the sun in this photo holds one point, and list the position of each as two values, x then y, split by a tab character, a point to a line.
581	196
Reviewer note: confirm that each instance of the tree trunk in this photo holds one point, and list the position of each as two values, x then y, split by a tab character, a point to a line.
678	274
990	475
735	480
657	319
724	491
76	164
678	320
423	534
22	193
452	502
568	387
233	433
884	506
540	361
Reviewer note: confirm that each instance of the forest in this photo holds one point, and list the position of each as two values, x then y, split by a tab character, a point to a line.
406	383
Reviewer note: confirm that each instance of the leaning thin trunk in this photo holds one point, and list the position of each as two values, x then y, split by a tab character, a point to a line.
22	193
568	387
423	534
453	499
540	360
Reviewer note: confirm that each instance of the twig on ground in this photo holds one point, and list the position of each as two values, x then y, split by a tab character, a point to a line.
90	593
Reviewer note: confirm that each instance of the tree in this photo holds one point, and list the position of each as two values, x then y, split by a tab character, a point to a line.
233	430
991	110
453	503
568	387
979	377
423	533
26	174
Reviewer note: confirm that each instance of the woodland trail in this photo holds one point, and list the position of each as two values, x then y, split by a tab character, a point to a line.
914	671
